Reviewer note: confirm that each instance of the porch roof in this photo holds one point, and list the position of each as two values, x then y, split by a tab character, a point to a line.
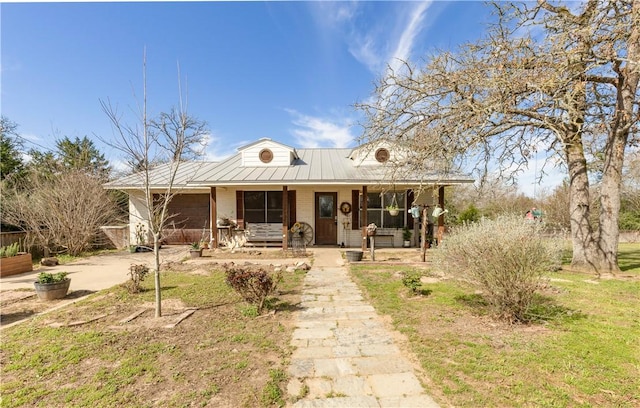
321	166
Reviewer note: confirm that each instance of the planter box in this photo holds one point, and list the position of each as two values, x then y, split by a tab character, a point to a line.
16	264
52	291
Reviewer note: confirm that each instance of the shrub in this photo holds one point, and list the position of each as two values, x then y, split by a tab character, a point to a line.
412	281
505	258
471	214
137	274
254	284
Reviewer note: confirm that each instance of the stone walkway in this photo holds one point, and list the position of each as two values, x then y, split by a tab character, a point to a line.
344	356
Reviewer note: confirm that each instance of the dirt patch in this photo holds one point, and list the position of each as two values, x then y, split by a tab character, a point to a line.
255	253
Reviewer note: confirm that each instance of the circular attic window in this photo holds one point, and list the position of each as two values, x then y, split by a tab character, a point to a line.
382	155
266	155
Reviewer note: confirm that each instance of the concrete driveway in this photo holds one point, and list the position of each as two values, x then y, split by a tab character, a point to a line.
96	272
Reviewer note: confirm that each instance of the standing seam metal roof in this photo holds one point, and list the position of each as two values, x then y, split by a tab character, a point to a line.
319	166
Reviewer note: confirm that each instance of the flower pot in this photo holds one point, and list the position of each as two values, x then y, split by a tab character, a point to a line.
393	212
195	253
354	256
406	244
51	291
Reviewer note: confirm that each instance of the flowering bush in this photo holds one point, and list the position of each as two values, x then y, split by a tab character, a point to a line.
505	258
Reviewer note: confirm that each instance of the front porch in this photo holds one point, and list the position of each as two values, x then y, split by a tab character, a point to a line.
333	218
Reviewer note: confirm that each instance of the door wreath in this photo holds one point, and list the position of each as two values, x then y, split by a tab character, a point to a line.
345	208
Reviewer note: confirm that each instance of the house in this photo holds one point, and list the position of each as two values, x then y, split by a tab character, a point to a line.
270	189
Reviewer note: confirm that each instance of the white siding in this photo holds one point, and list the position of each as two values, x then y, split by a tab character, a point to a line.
282	156
138	213
366	155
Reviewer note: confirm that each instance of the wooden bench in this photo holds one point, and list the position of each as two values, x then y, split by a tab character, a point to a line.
379	240
266	233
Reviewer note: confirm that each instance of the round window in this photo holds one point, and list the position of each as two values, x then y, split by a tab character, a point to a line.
382	155
266	155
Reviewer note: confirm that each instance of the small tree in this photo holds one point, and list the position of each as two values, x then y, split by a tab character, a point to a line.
505	258
64	212
153	148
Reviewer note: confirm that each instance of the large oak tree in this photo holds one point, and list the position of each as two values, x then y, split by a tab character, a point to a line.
547	77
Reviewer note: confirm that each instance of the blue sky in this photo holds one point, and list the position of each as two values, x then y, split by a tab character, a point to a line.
289	71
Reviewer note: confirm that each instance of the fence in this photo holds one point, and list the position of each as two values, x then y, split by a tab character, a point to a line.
8	238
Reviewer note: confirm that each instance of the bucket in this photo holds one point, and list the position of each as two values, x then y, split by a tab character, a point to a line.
354	256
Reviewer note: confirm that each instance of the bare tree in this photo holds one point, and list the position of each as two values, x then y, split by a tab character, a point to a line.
546	78
155	150
65	212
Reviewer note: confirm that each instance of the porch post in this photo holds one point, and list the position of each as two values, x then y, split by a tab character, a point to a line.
441	217
213	217
363	218
285	218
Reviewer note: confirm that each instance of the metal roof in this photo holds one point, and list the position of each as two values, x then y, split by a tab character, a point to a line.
322	166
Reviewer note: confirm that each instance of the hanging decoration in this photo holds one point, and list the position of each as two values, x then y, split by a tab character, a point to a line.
438	211
393	208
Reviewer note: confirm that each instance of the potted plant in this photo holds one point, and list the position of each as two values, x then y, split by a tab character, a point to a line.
14	262
195	251
393	210
406	236
50	286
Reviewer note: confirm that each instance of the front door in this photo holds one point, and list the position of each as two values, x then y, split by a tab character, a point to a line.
326	219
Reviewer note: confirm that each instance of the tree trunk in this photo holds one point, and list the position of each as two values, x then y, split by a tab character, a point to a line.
584	249
156	253
627	87
423	234
610	204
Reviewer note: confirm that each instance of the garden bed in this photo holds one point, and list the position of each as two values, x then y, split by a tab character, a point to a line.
14	265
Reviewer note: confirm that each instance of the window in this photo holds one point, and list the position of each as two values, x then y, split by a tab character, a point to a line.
263	206
265	155
377	213
382	155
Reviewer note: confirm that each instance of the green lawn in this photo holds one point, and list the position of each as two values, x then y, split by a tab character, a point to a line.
583	352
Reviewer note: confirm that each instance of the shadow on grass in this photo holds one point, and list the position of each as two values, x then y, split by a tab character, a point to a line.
282	306
543	309
421	292
9	318
79	293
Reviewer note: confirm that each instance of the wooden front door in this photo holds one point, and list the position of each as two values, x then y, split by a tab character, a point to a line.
326	219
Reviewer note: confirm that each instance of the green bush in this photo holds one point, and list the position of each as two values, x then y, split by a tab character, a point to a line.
412	281
47	277
504	258
471	214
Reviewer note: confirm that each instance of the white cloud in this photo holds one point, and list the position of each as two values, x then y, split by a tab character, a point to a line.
404	45
375	39
391	41
313	131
